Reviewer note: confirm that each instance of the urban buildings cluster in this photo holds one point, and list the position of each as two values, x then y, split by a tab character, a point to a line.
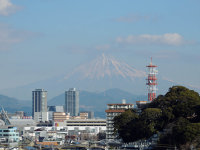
42	112
50	124
56	125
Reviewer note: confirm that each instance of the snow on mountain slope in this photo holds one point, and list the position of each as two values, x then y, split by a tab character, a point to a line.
104	66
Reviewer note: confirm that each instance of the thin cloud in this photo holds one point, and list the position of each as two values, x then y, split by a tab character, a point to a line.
177	83
78	49
135	18
10	36
103	47
7	8
166	54
74	49
173	39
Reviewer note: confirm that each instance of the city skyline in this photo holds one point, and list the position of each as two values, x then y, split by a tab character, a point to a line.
43	39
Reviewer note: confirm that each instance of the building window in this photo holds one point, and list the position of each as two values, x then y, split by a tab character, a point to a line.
5	134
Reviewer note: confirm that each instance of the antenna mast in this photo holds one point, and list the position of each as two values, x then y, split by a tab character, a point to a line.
152	81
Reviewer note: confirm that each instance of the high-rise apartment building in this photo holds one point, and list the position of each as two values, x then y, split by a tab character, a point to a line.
39	105
112	111
72	102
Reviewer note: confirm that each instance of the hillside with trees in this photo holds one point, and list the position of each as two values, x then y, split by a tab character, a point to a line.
174	116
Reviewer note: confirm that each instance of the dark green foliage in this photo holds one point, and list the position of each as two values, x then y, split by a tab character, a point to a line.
101	135
184	131
122	123
175	114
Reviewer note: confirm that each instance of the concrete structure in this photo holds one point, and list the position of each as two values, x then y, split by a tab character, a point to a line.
72	102
20	113
39	105
22	122
83	115
56	108
9	136
52	109
141	104
45	134
71	127
60	116
41	116
112	111
87	114
77	126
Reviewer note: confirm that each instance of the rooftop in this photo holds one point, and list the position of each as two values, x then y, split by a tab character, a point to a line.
120	104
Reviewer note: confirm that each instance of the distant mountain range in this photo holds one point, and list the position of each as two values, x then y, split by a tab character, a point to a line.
104	73
97	102
89	101
12	105
100	74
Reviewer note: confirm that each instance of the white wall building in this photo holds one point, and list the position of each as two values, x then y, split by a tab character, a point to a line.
112	111
41	116
83	125
9	135
65	128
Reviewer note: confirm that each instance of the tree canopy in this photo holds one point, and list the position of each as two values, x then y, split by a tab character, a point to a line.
176	115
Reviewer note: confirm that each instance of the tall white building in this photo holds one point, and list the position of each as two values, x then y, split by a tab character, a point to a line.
112	111
39	105
72	102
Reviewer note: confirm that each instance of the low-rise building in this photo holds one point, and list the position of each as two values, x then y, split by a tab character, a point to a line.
60	116
83	115
79	126
141	104
71	127
22	122
52	109
9	135
88	114
41	116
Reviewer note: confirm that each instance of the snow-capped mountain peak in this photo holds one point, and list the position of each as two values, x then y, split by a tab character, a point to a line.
105	66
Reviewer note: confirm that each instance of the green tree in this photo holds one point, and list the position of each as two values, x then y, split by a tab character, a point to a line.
121	122
177	113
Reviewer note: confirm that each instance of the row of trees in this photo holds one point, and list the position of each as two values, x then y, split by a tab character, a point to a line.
176	115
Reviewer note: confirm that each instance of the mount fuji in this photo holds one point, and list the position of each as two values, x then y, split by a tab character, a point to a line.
105	66
100	74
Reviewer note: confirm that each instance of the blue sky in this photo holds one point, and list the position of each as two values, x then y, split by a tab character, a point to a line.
40	39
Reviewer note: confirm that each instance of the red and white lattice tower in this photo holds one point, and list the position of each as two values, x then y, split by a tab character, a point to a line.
152	81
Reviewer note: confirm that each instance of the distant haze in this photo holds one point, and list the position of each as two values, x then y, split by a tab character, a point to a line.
88	101
100	74
58	44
